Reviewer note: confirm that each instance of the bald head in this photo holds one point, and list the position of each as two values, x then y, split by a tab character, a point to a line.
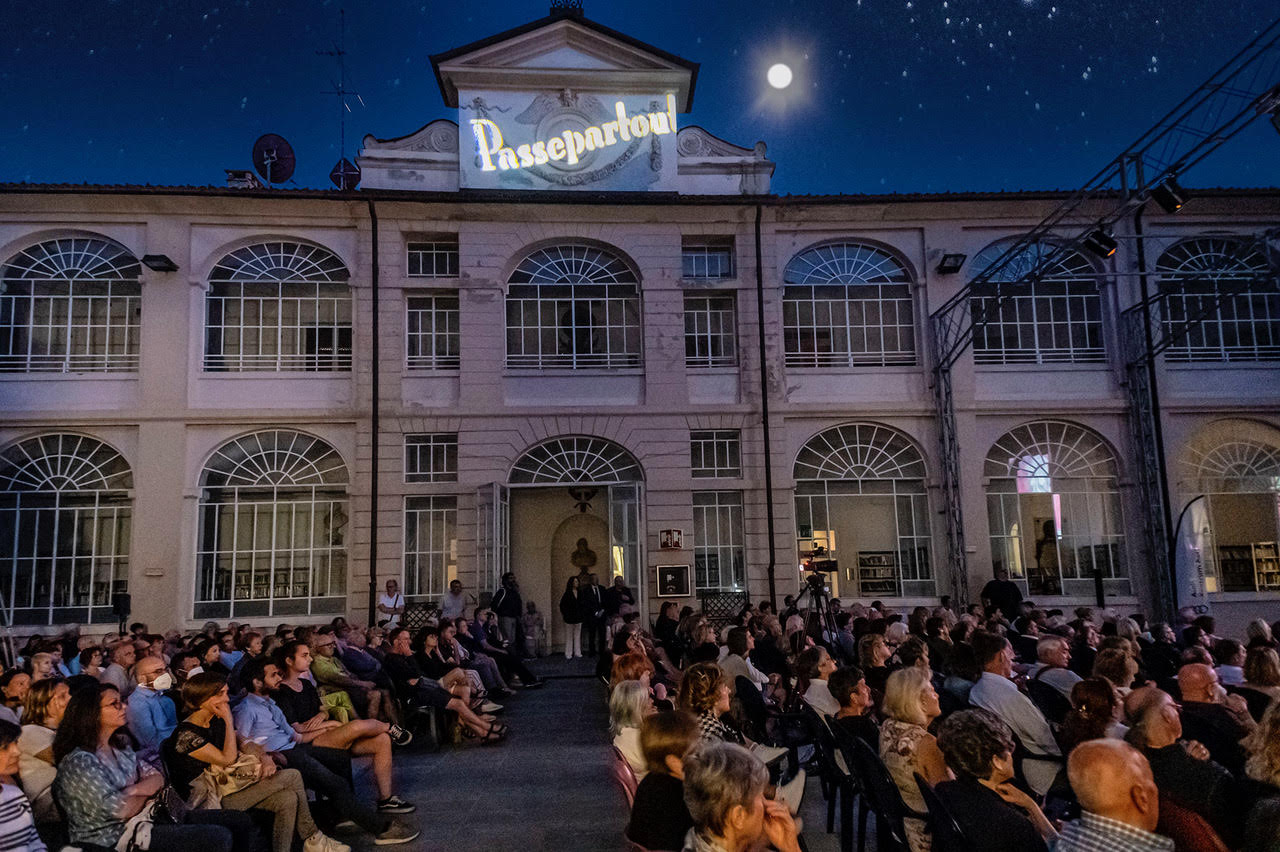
1112	779
147	670
1154	721
1198	682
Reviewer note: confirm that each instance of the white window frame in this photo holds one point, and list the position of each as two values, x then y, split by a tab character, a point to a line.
431	457
710	330
430	559
71	305
433	337
719	539
436	257
715	453
708	258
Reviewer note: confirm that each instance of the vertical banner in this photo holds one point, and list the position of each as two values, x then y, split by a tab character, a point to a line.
1194	575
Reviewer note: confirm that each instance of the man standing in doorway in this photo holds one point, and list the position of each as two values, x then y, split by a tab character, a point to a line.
1003	594
592	597
509	608
453	603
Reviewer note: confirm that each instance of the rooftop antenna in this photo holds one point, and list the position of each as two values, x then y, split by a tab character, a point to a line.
273	158
345	174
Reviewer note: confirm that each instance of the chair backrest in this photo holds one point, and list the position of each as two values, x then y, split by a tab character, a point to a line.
947	834
882	796
824	743
753	707
1189	830
1052	703
1257	700
624	775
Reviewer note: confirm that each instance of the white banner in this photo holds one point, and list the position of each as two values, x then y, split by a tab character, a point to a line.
1194	575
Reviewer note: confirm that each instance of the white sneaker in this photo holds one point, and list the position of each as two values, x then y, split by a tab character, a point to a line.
321	842
793	792
490	707
766	753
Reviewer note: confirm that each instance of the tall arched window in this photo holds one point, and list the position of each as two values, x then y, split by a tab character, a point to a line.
576	459
70	305
273	528
1235	464
573	306
65	514
860	500
847	305
1196	275
1053	504
278	306
1054	319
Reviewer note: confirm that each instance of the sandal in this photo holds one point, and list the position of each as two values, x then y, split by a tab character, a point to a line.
497	733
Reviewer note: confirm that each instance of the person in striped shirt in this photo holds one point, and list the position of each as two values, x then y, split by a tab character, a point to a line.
17	825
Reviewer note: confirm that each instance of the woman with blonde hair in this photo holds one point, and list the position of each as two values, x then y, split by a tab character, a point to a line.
629	705
1117	666
907	747
1262	671
42	709
1263	746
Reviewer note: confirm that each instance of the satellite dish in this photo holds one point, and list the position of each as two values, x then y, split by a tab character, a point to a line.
273	158
345	175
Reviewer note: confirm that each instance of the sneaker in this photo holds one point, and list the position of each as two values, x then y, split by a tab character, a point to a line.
321	842
395	805
793	792
490	707
534	684
346	825
767	754
395	834
399	735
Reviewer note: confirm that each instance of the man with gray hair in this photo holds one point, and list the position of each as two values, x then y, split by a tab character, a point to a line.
1054	654
724	786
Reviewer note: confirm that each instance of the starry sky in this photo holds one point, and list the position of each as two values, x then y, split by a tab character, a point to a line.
889	95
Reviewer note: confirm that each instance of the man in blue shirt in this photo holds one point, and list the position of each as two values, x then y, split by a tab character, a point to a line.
326	770
152	715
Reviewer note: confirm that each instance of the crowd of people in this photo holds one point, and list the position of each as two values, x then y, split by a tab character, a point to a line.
1034	728
228	738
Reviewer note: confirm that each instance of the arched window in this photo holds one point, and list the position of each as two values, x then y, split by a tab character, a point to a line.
573	306
1053	503
1196	276
573	460
273	528
70	305
861	501
1054	319
1235	464
278	306
847	305
65	514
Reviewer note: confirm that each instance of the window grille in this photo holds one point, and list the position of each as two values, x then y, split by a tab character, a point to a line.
573	306
1242	327
273	528
575	460
431	458
719	550
707	259
710	331
433	259
1054	510
859	451
278	306
71	305
434	340
1055	319
847	305
65	528
430	545
715	453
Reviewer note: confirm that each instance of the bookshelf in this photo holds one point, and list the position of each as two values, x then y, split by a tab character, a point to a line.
878	573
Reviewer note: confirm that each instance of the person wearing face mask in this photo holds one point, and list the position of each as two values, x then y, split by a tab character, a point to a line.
152	715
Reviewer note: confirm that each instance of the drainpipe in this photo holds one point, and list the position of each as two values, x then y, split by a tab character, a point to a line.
375	421
1157	424
764	411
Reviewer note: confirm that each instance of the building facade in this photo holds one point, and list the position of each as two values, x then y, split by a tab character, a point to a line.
640	362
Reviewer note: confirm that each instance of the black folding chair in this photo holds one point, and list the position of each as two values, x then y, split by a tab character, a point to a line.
846	742
947	834
884	799
1052	703
834	775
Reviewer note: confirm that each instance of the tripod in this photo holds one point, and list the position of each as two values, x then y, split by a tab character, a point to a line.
815	586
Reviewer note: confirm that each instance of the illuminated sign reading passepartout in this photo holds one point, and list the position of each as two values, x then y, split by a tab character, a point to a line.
569	146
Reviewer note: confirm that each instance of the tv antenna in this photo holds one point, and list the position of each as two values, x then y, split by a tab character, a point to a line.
273	158
345	174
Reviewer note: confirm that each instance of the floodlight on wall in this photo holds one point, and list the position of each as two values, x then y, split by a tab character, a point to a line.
1100	243
159	263
1169	196
951	263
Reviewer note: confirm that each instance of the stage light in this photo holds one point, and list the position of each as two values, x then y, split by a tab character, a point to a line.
951	263
159	262
779	76
1169	196
1100	243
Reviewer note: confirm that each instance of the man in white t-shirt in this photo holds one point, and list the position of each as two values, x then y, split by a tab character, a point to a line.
453	603
391	606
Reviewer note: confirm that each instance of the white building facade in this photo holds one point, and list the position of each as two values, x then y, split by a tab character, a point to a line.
492	358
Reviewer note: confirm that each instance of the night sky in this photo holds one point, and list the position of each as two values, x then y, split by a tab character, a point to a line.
889	96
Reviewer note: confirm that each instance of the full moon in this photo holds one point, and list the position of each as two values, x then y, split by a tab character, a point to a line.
779	76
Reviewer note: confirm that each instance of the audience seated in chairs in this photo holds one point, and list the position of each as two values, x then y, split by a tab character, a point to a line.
1214	718
1096	710
1119	800
906	746
629	705
724	788
815	666
850	691
1263	746
419	690
991	810
43	709
660	819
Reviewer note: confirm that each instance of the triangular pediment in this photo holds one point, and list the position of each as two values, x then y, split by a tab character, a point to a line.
564	51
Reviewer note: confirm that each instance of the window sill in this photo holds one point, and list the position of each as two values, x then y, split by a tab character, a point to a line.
265	375
524	372
897	369
1218	366
1085	367
70	377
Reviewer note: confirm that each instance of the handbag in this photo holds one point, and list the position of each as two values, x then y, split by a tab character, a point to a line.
217	782
164	808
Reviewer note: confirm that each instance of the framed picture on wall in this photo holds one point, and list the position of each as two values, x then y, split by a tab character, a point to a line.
673	581
671	539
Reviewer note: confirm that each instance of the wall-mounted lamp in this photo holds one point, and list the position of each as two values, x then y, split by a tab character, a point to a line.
1100	243
159	263
1169	196
951	263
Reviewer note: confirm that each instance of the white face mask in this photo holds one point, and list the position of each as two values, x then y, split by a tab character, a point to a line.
163	682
